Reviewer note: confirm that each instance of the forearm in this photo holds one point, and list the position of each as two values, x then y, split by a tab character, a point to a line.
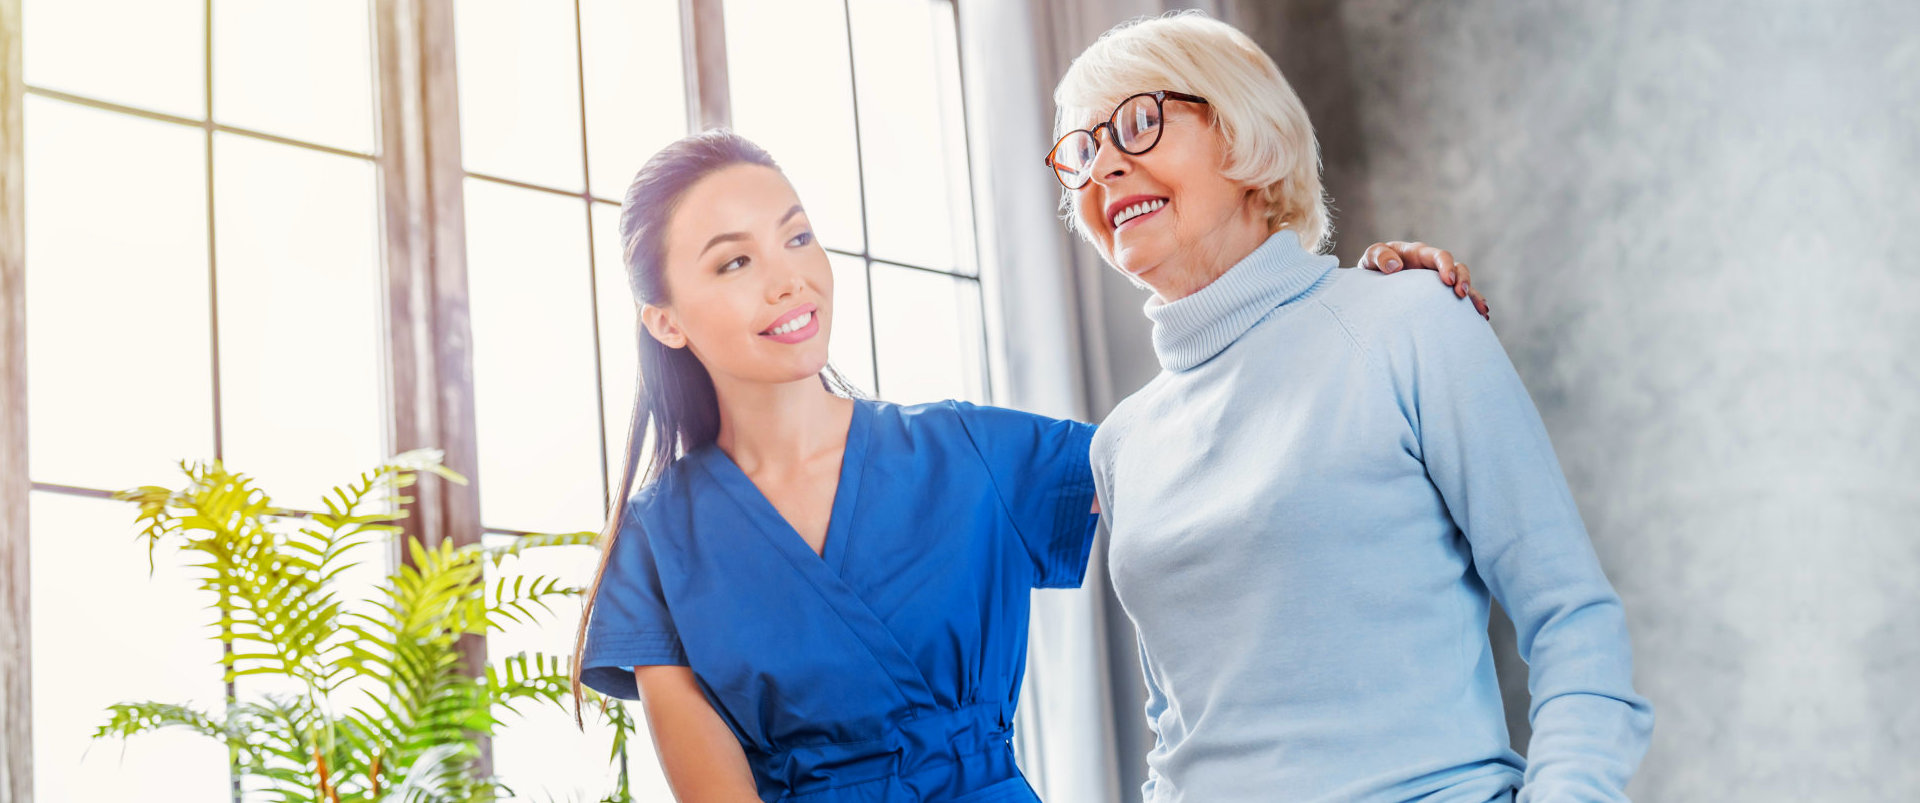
1585	747
702	760
1590	728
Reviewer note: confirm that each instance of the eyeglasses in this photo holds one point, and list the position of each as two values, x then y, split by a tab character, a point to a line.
1134	128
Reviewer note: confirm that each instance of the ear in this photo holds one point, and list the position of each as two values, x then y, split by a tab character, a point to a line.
660	323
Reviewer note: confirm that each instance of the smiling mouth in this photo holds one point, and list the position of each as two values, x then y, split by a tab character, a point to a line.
795	324
1138	210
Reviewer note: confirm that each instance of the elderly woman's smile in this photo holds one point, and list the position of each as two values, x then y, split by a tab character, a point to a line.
1133	208
1169	217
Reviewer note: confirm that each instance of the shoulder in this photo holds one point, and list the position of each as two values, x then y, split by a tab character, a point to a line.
1381	311
914	422
973	419
666	494
928	430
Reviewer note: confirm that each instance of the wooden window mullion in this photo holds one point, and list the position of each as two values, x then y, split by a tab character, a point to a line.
429	338
16	659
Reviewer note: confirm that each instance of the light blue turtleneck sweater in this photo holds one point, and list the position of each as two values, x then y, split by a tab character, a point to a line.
1310	506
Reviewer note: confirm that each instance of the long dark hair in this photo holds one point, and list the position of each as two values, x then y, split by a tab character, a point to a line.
674	401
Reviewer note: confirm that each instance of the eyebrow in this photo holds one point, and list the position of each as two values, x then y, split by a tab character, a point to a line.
736	236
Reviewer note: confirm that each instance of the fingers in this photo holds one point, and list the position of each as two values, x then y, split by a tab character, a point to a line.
1381	257
1442	260
1421	255
1465	290
1410	252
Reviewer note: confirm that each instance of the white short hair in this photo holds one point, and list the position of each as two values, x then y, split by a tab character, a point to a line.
1270	142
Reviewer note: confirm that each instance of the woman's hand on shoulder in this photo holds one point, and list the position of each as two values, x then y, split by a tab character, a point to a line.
1394	256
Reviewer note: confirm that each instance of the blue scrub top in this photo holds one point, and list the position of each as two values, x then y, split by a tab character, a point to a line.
887	668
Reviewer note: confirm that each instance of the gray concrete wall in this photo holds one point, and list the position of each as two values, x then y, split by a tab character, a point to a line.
1696	222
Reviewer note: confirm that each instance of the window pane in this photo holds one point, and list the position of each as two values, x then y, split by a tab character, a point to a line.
298	69
928	330
619	333
105	632
851	349
535	402
145	53
301	356
912	132
119	381
792	94
636	97
542	754
519	91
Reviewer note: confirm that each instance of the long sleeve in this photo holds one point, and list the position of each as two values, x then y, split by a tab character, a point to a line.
1487	452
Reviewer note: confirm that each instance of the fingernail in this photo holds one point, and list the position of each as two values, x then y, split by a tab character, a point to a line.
1393	264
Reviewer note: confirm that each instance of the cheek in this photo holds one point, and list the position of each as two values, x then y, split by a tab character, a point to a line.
822	272
1088	217
1204	199
712	321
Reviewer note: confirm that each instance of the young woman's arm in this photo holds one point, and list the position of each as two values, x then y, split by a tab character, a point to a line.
703	762
1387	258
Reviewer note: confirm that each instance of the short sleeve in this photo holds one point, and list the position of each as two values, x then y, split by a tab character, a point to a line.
630	625
1040	470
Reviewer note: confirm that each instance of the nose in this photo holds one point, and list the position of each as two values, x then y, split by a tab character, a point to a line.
1109	162
786	281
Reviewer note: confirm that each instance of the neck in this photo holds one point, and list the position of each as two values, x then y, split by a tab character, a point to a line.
1192	330
785	424
1214	255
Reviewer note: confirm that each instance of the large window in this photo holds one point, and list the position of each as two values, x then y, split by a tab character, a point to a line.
202	282
211	230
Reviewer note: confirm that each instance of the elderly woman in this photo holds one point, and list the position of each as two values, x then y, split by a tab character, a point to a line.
1334	474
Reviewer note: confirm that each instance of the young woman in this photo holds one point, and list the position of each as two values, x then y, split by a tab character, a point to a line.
818	597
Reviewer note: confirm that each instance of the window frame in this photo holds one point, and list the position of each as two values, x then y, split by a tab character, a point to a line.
428	371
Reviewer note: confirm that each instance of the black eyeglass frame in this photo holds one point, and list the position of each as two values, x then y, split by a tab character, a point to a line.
1160	98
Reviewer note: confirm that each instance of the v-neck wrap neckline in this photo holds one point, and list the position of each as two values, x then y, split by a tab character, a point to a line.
775	526
824	571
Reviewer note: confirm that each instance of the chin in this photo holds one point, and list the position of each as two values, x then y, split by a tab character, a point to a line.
810	368
1134	263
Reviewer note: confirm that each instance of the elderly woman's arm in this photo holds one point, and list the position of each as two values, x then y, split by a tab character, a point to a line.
1488	454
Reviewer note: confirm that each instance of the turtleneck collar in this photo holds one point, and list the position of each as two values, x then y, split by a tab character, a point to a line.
1191	330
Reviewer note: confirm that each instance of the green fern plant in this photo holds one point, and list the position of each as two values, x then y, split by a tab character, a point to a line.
414	734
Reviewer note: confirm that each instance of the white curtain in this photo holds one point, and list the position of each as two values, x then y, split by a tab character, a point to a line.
1044	291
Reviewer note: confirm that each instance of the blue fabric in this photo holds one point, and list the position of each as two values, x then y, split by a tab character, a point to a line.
888	667
1312	507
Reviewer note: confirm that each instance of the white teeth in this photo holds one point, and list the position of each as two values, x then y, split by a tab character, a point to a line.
793	325
1137	210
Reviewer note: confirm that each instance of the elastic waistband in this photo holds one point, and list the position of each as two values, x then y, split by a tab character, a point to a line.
925	742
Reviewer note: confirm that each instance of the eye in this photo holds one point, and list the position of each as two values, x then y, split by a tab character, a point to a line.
801	240
733	264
